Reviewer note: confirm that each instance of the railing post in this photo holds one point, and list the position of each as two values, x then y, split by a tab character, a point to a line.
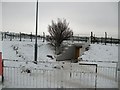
96	77
111	41
116	72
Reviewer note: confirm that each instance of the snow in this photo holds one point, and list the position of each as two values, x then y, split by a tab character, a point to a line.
24	48
103	56
99	52
51	73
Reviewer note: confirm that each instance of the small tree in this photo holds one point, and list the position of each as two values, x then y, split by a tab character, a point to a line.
59	31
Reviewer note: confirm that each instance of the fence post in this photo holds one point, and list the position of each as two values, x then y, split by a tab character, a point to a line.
43	37
20	36
86	39
5	35
2	36
72	38
10	37
91	37
78	38
24	35
31	36
94	38
13	36
111	40
105	37
101	39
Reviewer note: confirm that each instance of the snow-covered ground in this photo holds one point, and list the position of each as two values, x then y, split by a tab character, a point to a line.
101	52
50	73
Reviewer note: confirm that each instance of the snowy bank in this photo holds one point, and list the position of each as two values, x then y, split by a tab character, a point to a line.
99	52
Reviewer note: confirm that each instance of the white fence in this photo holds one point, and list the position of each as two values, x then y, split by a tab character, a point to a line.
74	76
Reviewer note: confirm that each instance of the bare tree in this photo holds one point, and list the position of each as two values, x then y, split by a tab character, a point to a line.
59	31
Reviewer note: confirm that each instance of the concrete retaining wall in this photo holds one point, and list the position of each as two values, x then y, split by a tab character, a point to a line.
68	53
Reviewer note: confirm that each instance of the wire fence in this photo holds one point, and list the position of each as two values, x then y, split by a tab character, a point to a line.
78	37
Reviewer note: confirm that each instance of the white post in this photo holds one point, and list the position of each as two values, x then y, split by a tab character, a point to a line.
116	76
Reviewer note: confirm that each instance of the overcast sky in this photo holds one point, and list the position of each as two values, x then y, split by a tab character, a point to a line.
83	17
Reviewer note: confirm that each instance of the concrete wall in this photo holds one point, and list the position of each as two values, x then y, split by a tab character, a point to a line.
84	46
68	53
82	50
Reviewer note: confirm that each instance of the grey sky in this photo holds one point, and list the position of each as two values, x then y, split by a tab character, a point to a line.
83	17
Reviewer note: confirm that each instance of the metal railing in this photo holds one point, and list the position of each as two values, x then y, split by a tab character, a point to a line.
44	78
72	75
